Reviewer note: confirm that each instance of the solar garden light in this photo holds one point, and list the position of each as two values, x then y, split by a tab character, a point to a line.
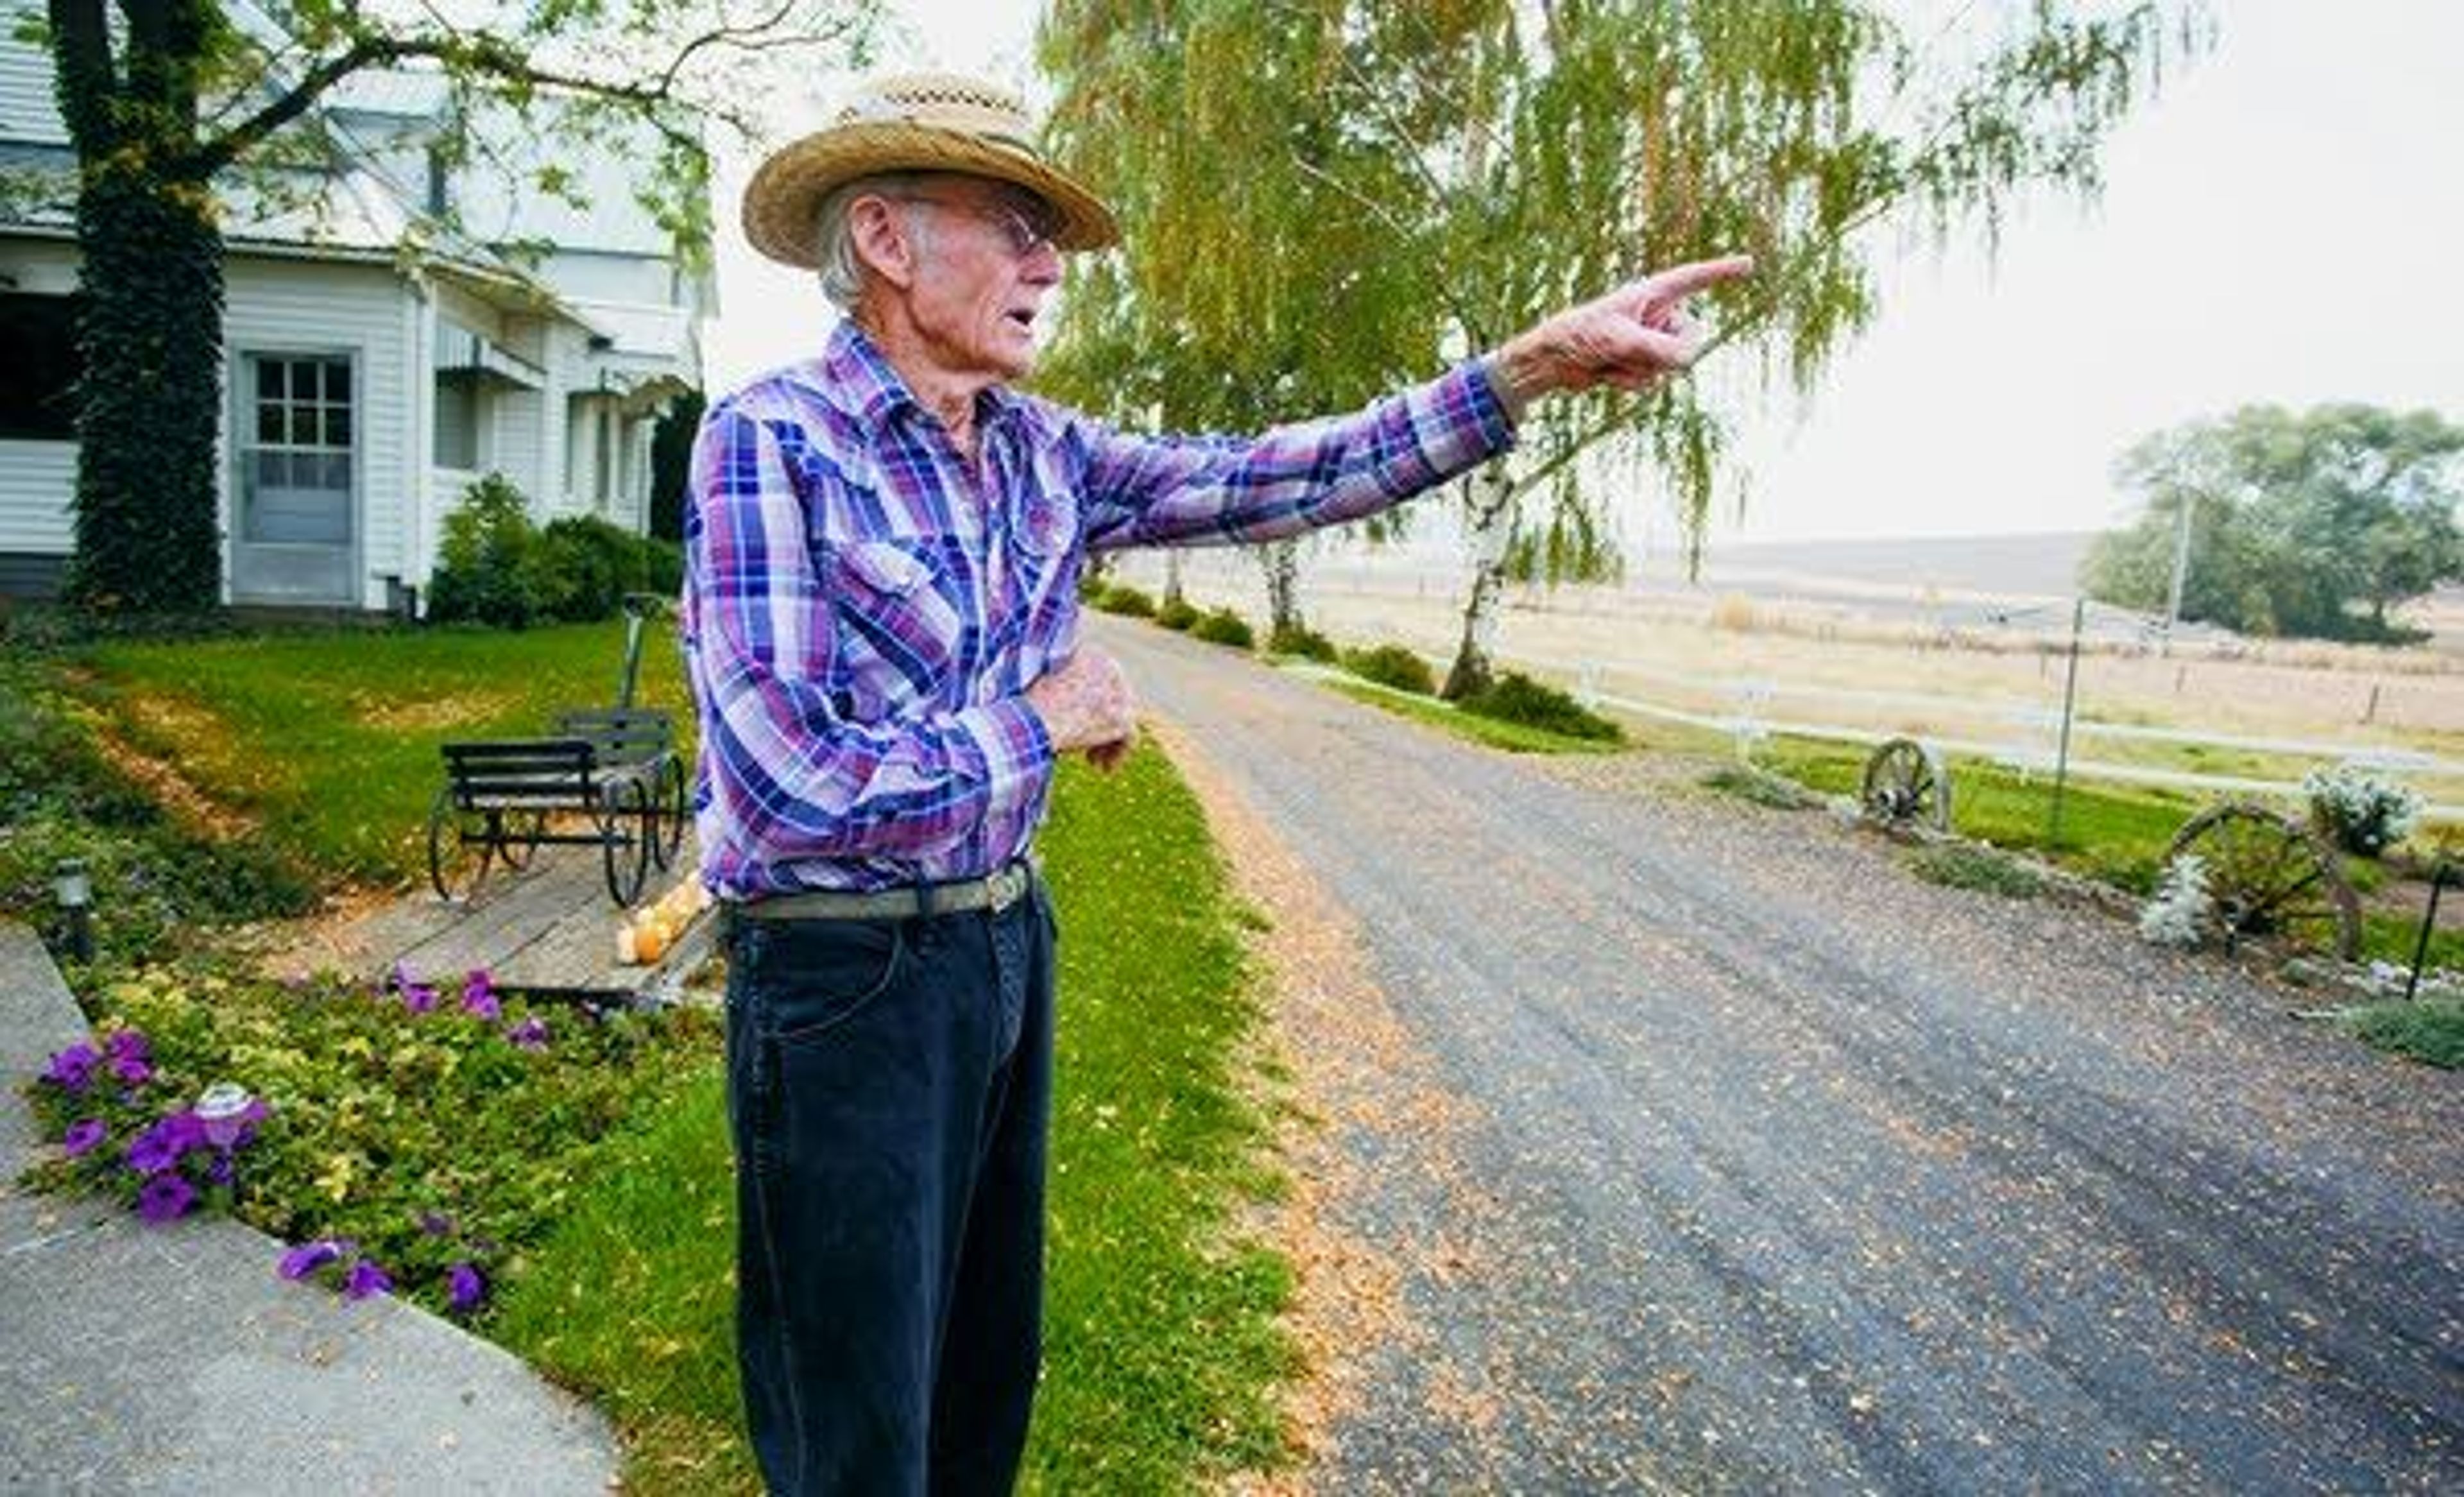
74	892
223	1110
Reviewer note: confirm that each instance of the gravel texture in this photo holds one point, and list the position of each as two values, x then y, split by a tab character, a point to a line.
1701	1147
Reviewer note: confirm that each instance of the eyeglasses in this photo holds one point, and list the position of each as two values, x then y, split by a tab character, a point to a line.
1024	237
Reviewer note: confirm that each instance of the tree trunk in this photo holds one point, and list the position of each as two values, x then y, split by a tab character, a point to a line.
1171	589
1491	510
149	328
1281	561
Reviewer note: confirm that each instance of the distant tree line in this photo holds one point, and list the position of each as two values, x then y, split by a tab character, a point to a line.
2310	524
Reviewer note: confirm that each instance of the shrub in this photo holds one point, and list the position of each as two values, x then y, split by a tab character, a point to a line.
1395	666
2179	912
1299	639
2430	1030
1516	698
1957	865
1126	601
2358	811
586	566
1761	786
1177	613
489	568
1223	626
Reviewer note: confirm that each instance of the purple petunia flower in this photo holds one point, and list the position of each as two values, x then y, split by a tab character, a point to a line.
128	1045
531	1034
419	998
83	1135
72	1068
367	1280
222	1170
165	1198
436	1223
132	1069
469	1288
308	1257
479	994
160	1147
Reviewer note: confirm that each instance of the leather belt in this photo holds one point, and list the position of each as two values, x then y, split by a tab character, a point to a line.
995	891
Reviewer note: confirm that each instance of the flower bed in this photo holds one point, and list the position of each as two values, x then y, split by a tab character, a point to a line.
412	1138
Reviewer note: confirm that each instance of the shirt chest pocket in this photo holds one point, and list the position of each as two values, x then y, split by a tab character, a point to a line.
894	607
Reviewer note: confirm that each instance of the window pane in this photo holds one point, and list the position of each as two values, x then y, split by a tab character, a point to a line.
269	422
338	382
270	385
338	426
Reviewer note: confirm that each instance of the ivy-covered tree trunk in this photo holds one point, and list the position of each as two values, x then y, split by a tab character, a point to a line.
149	400
150	406
1490	512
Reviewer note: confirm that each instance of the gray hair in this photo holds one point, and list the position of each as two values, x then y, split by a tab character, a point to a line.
841	269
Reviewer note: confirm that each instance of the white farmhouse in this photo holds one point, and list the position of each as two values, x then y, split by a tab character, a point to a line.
374	364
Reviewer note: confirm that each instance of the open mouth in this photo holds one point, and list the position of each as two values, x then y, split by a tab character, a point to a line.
1023	321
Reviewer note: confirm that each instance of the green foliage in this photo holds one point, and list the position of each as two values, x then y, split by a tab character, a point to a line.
1175	613
1397	666
1127	601
1299	639
1320	198
489	569
1963	865
1223	626
1162	1353
1516	698
1511	738
1761	786
2430	1030
2297	520
382	1116
154	877
496	567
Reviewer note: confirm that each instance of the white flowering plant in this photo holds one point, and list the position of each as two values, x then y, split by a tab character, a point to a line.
2181	909
2358	810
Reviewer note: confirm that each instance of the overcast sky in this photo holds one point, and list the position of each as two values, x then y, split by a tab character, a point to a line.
2284	224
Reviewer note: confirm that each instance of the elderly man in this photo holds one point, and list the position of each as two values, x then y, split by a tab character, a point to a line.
880	616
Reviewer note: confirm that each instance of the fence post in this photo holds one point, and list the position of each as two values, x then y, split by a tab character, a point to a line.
2429	922
2062	753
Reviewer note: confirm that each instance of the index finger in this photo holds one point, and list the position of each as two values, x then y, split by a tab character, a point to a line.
1683	280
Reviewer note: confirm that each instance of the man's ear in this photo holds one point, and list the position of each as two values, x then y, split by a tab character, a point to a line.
882	241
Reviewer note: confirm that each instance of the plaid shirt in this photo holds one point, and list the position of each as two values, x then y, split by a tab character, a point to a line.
863	607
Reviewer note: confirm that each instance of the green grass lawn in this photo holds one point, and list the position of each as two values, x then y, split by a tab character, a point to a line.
1163	1352
328	740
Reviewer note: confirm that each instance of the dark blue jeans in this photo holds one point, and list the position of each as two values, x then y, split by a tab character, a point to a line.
890	1091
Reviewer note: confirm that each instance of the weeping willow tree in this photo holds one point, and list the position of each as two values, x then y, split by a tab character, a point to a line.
1213	316
1322	195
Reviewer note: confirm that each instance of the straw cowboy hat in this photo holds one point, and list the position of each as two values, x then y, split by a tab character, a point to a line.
920	121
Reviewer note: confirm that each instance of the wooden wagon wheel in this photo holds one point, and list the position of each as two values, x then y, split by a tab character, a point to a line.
458	847
2271	876
1906	783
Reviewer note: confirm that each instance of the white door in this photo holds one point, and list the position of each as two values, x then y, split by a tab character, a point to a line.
297	524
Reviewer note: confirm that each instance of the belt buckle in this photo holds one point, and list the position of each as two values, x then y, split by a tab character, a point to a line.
1007	887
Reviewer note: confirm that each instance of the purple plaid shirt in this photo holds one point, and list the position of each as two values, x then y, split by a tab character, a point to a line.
863	607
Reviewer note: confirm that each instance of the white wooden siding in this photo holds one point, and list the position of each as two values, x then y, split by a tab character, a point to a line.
37	482
28	111
281	306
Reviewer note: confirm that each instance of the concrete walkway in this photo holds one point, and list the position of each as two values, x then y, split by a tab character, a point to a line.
157	1359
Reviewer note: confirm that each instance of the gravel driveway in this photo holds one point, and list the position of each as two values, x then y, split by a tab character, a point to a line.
1758	1163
